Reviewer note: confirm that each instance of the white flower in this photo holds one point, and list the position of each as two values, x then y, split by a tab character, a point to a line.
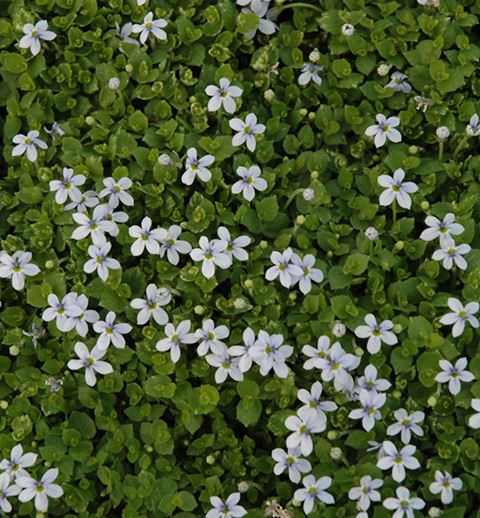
383	69
211	253
473	128
441	229
454	375
314	490
235	247
338	329
68	187
318	354
460	315
150	26
227	509
125	32
246	131
87	200
144	237
16	267
28	143
40	490
100	262
222	95
366	492
211	337
474	419
309	273
445	484
290	460
108	214
94	226
348	29
111	332
265	15
283	269
396	189
78	313
14	467
310	72
175	337
384	129
371	403
33	35
91	361
244	350
312	404
250	182
117	192
371	233
61	311
303	426
226	366
450	253
269	352
442	133
197	167
403	504
406	423
370	383
376	333
151	307
336	366
173	246
55	131
7	490
398	83
397	460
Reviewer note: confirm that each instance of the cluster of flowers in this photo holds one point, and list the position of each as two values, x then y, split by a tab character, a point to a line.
291	269
311	419
15	480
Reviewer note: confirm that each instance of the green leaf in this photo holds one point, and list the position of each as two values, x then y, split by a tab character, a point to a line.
267	209
14	62
356	264
249	411
83	423
247	22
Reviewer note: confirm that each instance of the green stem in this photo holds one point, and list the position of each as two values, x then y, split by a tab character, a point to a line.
371	248
394	209
292	196
440	150
461	144
299	4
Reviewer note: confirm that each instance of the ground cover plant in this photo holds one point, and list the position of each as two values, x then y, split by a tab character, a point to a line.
239	266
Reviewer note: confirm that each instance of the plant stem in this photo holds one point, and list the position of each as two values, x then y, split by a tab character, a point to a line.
292	196
440	150
460	146
394	209
299	4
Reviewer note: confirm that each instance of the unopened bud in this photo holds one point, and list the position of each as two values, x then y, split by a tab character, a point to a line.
383	70
308	194
114	83
338	329
336	453
314	56
371	233
199	310
243	486
348	29
269	95
14	350
442	133
300	219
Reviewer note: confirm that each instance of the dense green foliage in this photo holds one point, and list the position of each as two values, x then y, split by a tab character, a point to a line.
157	438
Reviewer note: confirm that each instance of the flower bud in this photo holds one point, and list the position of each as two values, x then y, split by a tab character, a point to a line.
332	435
210	459
308	194
432	400
314	175
336	453
442	133
300	219
164	159
239	303
269	95
199	310
371	233
90	120
14	350
329	254
243	486
397	328
248	283
338	329
348	29
303	112
425	205
413	150
129	68
114	83
314	56
383	70
3	404
434	512
399	245
359	351
263	244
